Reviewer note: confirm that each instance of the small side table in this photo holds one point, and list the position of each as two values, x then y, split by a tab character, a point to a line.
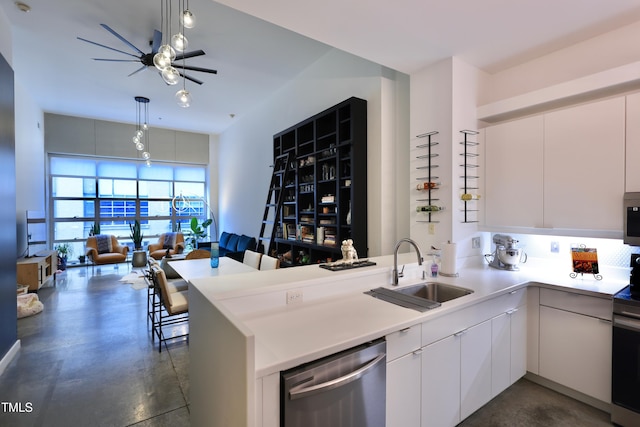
139	258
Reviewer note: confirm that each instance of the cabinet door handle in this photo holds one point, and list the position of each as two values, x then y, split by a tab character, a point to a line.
460	333
510	312
405	330
513	292
417	352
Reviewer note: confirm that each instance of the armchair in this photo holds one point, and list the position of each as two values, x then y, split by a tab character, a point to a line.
105	249
172	241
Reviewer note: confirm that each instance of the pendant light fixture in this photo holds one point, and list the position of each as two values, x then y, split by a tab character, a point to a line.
141	135
166	54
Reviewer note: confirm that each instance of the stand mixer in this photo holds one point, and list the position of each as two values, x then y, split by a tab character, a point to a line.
506	255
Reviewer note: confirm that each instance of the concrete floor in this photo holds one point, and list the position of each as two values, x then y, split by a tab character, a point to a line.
88	359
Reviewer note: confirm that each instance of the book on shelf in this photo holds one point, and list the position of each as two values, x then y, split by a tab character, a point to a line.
329	198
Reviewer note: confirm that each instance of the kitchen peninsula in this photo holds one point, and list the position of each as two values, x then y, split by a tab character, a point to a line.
243	333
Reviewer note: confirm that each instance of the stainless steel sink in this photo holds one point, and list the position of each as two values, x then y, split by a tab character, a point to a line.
421	297
434	291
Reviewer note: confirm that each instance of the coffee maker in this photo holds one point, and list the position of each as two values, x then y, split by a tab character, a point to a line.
634	282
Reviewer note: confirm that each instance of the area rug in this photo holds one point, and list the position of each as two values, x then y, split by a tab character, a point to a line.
28	305
136	279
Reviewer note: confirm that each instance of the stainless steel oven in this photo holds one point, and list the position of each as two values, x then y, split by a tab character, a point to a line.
625	374
344	390
631	220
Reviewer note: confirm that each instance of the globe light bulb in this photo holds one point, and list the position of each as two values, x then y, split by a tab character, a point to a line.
147	163
179	42
188	19
139	146
184	98
146	155
170	76
145	126
161	61
139	133
167	51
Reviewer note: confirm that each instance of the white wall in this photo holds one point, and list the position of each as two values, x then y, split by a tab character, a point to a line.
246	149
30	160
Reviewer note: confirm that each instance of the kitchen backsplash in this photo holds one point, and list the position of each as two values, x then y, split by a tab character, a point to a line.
611	252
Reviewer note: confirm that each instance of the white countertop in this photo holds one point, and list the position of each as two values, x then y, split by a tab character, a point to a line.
336	315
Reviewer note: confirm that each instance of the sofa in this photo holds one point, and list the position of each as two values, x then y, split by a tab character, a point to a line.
105	249
233	245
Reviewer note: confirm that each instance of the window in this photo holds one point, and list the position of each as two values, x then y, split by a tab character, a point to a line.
115	193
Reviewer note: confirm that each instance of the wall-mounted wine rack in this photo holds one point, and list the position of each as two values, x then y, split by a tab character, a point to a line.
470	176
427	181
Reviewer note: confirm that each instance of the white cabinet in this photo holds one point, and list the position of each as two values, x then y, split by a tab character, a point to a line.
403	391
575	342
508	349
475	368
403	377
513	177
632	146
441	382
584	166
564	169
458	370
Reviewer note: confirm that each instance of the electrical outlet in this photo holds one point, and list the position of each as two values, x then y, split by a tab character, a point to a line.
475	243
432	228
294	296
555	247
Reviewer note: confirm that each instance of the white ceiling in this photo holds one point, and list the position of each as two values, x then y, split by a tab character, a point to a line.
255	58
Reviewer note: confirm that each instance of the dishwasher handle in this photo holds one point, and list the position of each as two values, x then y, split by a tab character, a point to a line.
338	382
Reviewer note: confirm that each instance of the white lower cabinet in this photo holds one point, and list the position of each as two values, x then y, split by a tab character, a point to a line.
475	368
403	391
441	382
403	377
508	349
575	351
466	359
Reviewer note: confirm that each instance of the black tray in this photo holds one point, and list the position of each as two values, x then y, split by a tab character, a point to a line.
347	266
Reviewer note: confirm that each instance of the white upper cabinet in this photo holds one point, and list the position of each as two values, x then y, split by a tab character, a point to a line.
633	143
584	166
513	179
561	170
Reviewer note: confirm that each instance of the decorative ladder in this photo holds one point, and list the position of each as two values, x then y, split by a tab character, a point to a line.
275	198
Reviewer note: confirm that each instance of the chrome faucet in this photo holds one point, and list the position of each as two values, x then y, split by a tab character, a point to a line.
395	257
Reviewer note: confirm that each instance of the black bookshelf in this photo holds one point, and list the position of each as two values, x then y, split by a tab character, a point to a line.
326	189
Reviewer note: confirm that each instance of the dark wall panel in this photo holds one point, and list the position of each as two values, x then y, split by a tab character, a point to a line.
8	312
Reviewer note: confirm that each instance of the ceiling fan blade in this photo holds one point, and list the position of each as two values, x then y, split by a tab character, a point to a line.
125	41
188	67
189	54
115	60
157	41
144	67
191	78
107	47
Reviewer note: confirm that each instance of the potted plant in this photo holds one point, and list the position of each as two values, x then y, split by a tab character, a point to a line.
64	252
136	235
198	231
95	229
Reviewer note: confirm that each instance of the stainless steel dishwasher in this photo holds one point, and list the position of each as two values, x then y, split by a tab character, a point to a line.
347	389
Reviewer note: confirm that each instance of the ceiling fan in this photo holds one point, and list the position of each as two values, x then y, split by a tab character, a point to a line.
146	59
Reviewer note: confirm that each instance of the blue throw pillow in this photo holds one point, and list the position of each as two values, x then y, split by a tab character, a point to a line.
232	245
224	239
245	243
